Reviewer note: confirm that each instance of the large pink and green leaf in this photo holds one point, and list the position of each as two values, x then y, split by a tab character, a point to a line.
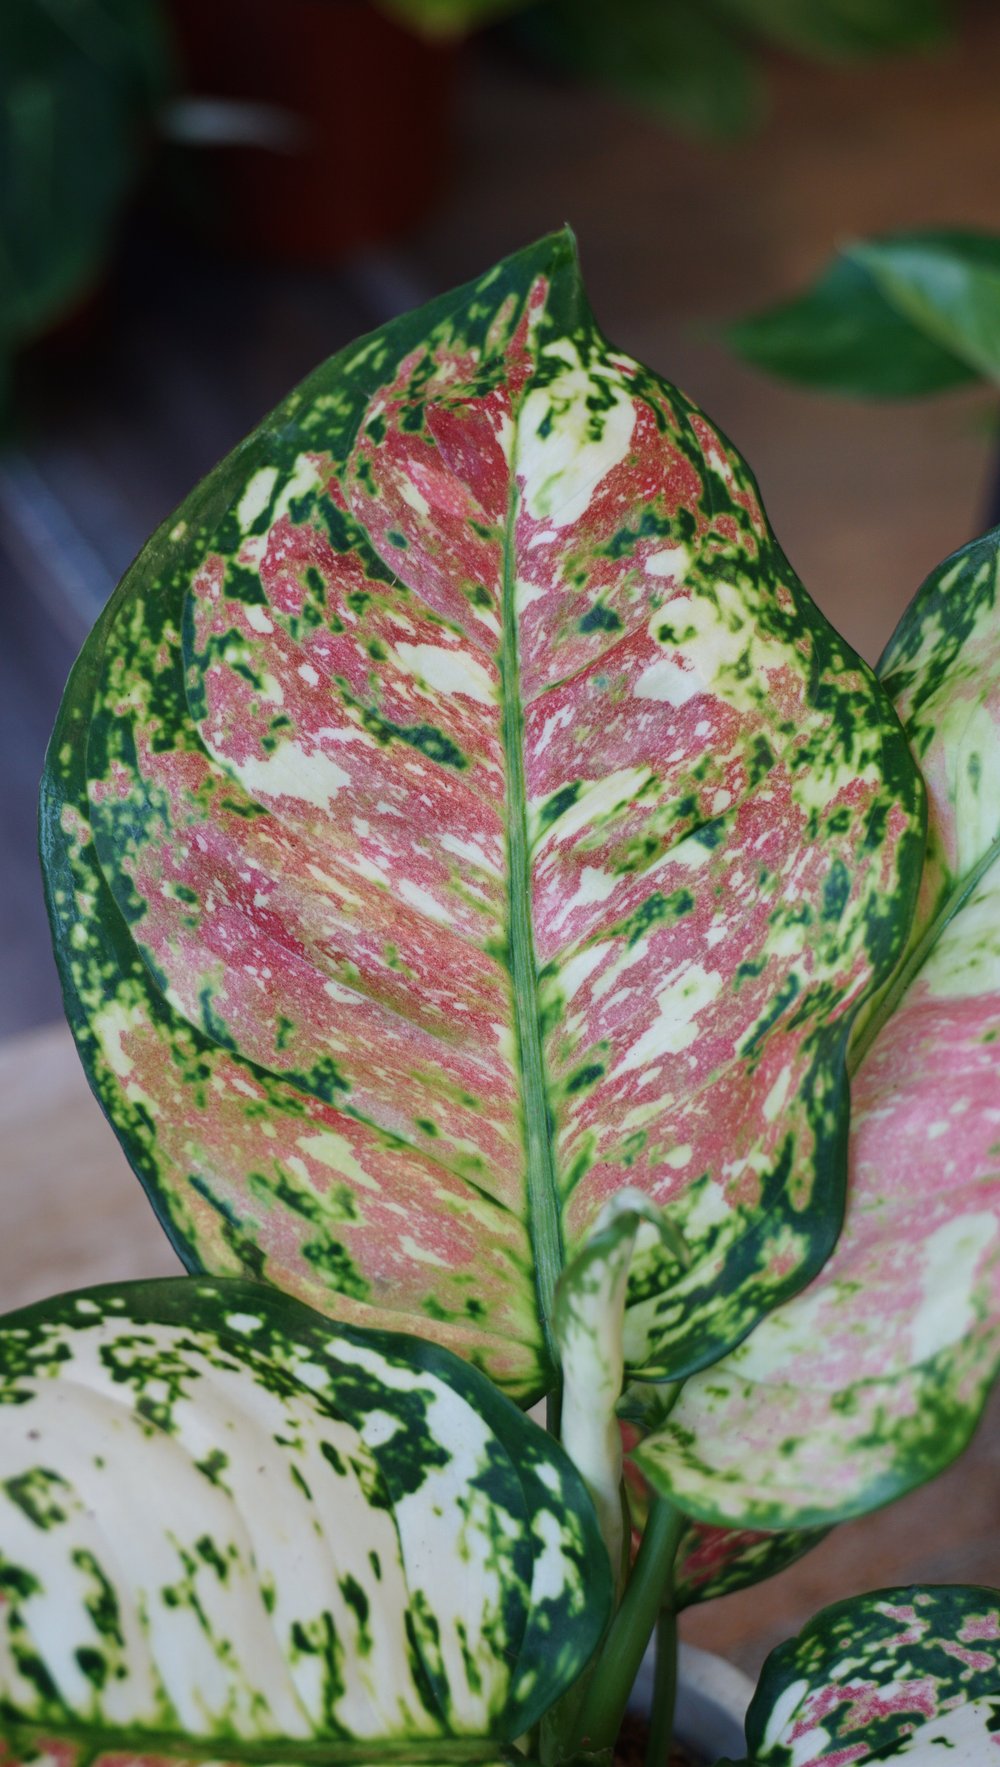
461	811
901	1674
873	1378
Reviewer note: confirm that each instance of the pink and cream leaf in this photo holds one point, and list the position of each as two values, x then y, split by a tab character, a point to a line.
461	812
718	1561
873	1378
899	1675
711	1561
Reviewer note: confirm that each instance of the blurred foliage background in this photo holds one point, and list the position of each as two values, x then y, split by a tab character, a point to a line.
92	92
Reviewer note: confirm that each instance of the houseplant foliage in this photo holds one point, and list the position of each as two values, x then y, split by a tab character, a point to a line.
903	1674
476	869
873	1379
898	316
700	64
431	1577
695	63
88	73
376	724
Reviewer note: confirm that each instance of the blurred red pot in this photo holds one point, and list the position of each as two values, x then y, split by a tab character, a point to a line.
326	126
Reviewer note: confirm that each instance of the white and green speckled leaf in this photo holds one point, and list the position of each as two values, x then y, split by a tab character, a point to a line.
461	812
228	1529
899	1675
873	1378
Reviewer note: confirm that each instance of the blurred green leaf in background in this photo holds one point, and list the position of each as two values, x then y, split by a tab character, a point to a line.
79	84
899	316
697	63
841	29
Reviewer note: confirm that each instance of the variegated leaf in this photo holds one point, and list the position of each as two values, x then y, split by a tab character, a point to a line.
226	1527
719	1561
598	1438
712	1561
902	1674
50	1752
872	1380
461	811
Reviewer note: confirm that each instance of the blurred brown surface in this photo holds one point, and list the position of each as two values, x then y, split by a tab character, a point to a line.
73	1214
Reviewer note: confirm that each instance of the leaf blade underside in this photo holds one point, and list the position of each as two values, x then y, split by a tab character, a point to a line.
227	1531
873	1379
486	619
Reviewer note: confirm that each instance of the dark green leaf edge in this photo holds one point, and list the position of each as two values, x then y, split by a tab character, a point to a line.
64	777
756	1563
887	936
956	607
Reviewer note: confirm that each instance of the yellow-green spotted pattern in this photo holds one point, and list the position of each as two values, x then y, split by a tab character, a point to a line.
461	812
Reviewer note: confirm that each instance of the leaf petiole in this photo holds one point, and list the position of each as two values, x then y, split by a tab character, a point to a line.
611	1677
661	1718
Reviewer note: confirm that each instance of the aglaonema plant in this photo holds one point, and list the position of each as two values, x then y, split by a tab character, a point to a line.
477	871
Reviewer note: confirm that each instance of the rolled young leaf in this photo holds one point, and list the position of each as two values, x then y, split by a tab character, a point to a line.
589	1328
599	1429
461	811
901	1674
898	316
873	1379
225	1529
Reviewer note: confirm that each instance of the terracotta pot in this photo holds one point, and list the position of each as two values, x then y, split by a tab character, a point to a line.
344	119
712	1698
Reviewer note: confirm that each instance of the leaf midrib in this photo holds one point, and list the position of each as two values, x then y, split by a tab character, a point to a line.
544	1222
